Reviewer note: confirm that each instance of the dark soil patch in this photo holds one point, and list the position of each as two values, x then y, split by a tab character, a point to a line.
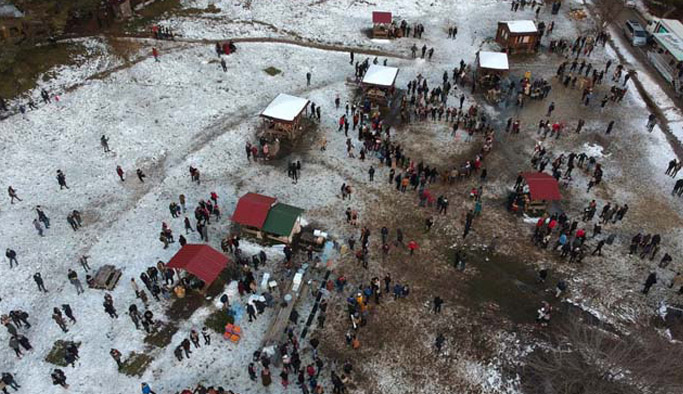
272	71
21	65
58	351
505	284
136	364
162	337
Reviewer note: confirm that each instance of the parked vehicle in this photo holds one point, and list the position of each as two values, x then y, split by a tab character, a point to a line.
635	33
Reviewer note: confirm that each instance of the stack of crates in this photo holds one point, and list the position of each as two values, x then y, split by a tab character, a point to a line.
233	333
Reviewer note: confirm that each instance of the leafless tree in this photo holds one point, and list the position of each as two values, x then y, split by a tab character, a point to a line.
591	360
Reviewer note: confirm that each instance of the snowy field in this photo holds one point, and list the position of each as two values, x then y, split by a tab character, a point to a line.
163	117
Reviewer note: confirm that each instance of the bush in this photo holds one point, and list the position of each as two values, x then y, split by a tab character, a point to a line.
272	71
218	320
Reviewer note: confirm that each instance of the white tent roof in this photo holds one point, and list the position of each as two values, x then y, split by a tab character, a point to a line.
521	26
285	107
380	75
493	60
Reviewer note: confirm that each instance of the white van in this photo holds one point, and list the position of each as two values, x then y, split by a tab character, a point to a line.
635	33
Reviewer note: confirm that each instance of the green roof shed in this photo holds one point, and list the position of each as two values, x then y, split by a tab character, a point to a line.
282	219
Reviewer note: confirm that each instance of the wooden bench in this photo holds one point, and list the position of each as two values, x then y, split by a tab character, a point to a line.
106	277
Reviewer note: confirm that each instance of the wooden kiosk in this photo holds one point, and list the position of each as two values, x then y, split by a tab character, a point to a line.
267	219
283	115
518	36
540	190
491	68
378	83
381	24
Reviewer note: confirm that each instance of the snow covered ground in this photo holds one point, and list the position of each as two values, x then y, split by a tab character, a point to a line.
164	117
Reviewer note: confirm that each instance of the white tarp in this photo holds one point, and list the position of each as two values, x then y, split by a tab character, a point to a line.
285	107
521	26
380	75
493	60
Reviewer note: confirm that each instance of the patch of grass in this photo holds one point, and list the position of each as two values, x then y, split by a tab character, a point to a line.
162	337
21	65
218	320
136	364
56	355
272	71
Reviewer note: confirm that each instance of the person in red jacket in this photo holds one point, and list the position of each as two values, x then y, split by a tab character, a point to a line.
155	53
119	172
412	246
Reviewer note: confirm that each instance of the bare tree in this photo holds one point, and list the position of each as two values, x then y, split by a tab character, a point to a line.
591	360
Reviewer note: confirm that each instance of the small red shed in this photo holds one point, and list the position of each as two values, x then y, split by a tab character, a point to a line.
381	21
252	210
202	261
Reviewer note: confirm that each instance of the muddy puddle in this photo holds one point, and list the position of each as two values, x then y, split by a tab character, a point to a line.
506	285
511	288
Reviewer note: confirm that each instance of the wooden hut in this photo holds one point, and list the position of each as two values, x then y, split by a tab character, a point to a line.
381	23
283	223
491	68
202	261
539	191
265	218
518	36
251	213
283	114
378	83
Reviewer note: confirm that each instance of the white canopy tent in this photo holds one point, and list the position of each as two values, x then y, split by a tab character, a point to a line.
380	76
494	61
285	107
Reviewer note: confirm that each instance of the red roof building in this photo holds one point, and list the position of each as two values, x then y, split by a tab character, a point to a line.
201	261
252	210
542	186
381	17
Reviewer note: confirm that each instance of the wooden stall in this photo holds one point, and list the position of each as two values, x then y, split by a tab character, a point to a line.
518	36
283	115
540	189
378	83
202	261
381	24
266	218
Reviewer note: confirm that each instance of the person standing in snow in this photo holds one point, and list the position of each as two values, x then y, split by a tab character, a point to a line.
109	308
43	217
39	281
58	378
12	194
146	389
61	180
206	336
59	319
116	355
119	172
308	78
83	261
68	312
155	53
11	256
73	279
38	227
8	379
140	175
104	141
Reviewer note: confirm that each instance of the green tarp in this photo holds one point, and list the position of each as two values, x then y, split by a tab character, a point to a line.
281	219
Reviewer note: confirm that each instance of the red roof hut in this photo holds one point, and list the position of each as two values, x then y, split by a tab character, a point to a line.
202	261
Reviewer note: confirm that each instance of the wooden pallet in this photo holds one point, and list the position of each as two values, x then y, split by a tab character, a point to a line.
106	277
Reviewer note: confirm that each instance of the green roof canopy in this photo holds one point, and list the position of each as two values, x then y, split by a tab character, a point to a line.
281	219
